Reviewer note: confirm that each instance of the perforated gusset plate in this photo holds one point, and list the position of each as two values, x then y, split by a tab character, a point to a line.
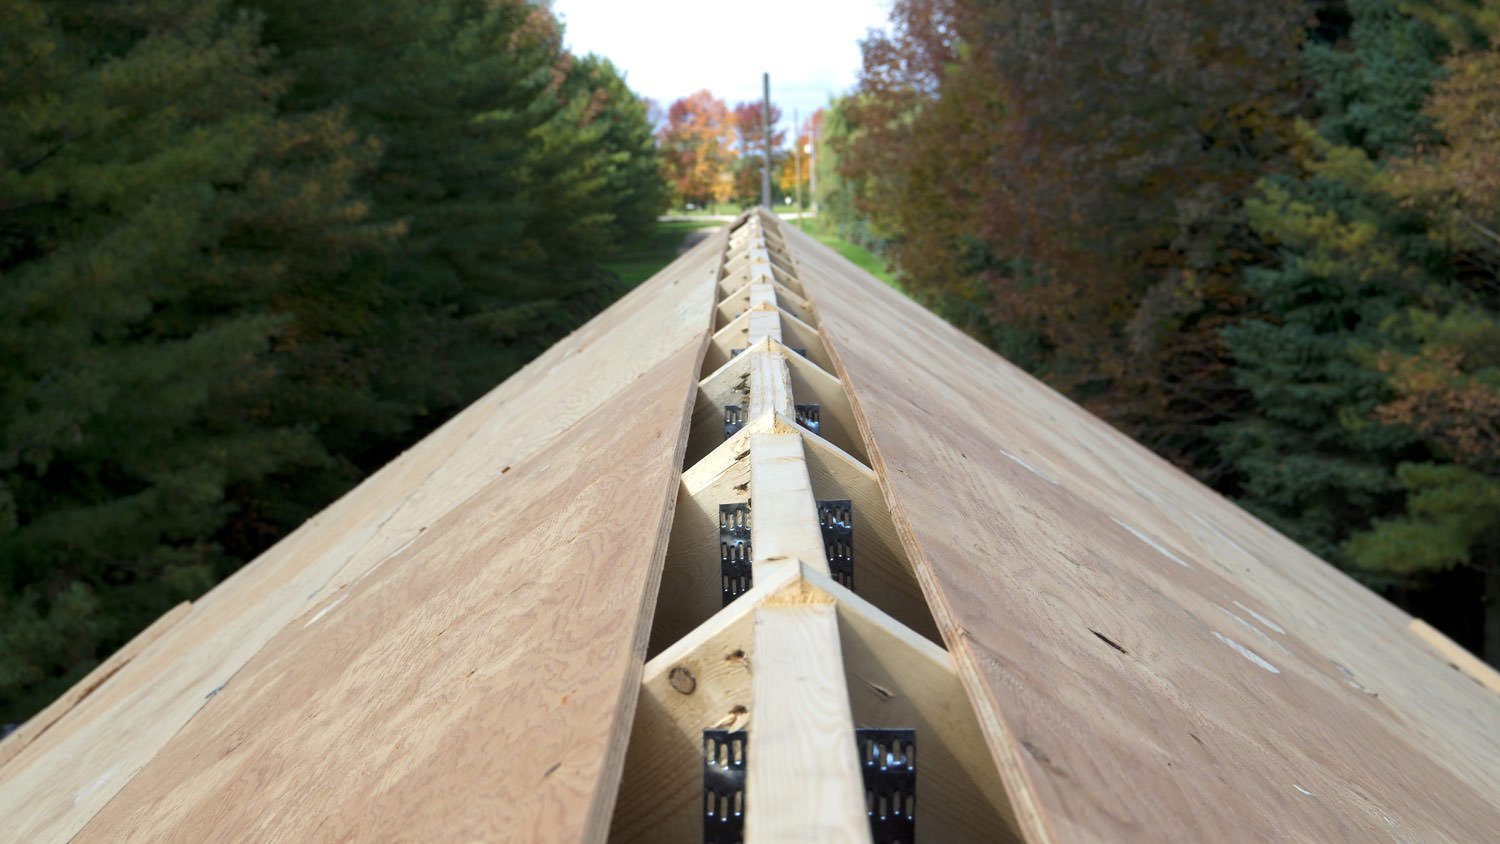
836	519
888	761
724	786
734	419
734	550
808	416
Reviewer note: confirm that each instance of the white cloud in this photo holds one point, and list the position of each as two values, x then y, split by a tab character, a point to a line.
670	48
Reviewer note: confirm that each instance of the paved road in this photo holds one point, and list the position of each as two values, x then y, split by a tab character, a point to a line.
721	218
693	238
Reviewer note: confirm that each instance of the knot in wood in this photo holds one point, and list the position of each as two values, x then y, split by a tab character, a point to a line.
682	680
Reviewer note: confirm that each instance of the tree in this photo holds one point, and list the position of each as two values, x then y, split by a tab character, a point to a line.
634	192
1067	181
795	175
502	167
159	228
838	191
1261	238
750	141
1314	458
696	148
1442	362
248	258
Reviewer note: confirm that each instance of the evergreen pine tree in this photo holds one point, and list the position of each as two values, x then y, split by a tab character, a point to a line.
500	166
1310	457
159	224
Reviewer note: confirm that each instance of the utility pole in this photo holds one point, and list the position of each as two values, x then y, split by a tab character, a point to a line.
765	120
812	164
797	158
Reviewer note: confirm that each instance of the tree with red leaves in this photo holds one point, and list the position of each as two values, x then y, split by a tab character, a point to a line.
750	140
697	149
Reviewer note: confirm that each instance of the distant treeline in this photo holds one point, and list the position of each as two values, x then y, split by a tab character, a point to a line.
1261	237
248	252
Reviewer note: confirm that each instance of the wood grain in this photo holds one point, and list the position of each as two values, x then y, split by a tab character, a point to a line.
783	514
770	381
1456	655
661	793
765	322
52	787
739	301
882	574
803	781
476	686
800	335
794	333
811	385
729	384
1148	661
22	737
691	585
899	679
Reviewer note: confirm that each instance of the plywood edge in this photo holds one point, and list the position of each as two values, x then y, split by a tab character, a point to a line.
607	787
123	816
920	679
59	709
1004	748
1456	655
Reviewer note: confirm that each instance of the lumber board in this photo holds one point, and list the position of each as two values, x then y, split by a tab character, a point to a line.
103	673
783	514
1455	655
800	335
1148	661
735	335
882	574
837	423
661	793
803	782
765	322
794	333
760	263
762	295
691	589
54	785
738	301
476	686
729	384
736	273
896	678
770	381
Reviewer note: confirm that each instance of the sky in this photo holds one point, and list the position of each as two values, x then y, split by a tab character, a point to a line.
670	48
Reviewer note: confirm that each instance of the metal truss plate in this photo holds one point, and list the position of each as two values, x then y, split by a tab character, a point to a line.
808	416
724	786
734	550
836	519
734	419
888	760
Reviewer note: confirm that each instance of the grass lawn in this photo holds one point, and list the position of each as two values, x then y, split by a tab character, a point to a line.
854	253
641	260
729	208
